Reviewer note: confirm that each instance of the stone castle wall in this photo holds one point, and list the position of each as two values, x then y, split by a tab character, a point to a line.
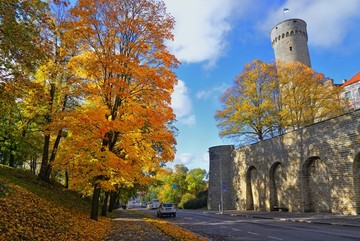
316	168
221	182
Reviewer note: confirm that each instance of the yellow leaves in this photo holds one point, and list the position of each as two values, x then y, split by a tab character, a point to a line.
307	96
26	215
249	105
264	99
173	230
122	71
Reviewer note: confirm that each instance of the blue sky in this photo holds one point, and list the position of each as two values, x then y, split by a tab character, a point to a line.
214	39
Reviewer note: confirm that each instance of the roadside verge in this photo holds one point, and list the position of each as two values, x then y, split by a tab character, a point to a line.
131	225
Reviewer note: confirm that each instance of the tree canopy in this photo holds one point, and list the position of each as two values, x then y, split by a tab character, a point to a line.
266	100
91	87
178	185
250	105
307	96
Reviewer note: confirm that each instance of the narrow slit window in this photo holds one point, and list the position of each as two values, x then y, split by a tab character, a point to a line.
290	48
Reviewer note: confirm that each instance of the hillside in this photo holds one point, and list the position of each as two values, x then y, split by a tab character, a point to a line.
34	210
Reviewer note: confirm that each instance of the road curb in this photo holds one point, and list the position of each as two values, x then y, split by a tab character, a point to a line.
299	220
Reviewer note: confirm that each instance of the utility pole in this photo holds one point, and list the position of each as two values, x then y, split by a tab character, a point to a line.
221	206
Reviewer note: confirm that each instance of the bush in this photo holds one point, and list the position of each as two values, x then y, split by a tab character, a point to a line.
202	194
185	198
196	203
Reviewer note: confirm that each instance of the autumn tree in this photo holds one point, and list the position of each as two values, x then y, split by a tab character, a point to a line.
174	185
250	107
179	178
266	101
306	96
55	93
19	136
178	185
23	47
196	181
125	72
23	41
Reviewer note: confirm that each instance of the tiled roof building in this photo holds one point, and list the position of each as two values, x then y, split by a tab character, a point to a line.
352	92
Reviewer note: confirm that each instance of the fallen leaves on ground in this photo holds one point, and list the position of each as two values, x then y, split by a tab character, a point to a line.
172	230
33	212
129	226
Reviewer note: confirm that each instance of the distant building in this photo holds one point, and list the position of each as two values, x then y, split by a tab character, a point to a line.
352	92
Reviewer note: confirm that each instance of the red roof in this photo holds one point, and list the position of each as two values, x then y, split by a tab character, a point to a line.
354	79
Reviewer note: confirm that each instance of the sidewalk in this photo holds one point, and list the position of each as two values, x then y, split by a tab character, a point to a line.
128	226
324	218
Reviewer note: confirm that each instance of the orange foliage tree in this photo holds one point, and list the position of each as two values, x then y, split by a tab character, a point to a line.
52	93
267	99
123	131
250	106
306	96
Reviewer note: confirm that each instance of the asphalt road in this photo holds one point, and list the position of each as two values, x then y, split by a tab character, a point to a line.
223	227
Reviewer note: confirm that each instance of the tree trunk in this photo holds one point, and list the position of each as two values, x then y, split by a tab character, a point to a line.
33	165
95	202
104	206
117	201
12	157
112	204
44	170
66	179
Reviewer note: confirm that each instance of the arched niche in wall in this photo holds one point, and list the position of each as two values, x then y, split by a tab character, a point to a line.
316	186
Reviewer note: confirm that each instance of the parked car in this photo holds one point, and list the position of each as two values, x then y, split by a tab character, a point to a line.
153	204
166	209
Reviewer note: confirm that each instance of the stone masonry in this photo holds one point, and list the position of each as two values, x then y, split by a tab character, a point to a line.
289	41
312	169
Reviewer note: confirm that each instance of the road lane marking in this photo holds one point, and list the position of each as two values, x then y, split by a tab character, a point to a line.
272	237
253	233
235	229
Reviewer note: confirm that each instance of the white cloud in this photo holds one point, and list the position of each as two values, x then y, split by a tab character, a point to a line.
328	21
184	158
214	92
205	157
201	28
191	161
182	105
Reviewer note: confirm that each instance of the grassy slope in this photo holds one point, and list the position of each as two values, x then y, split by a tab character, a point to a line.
34	210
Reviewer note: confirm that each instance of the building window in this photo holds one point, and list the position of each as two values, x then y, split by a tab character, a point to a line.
359	91
348	95
290	48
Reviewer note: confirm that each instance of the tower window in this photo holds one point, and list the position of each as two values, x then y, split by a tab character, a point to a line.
290	48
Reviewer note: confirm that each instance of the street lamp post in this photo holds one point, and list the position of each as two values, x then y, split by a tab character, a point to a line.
221	206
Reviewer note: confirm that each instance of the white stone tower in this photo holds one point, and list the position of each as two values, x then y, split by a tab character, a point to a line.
289	41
